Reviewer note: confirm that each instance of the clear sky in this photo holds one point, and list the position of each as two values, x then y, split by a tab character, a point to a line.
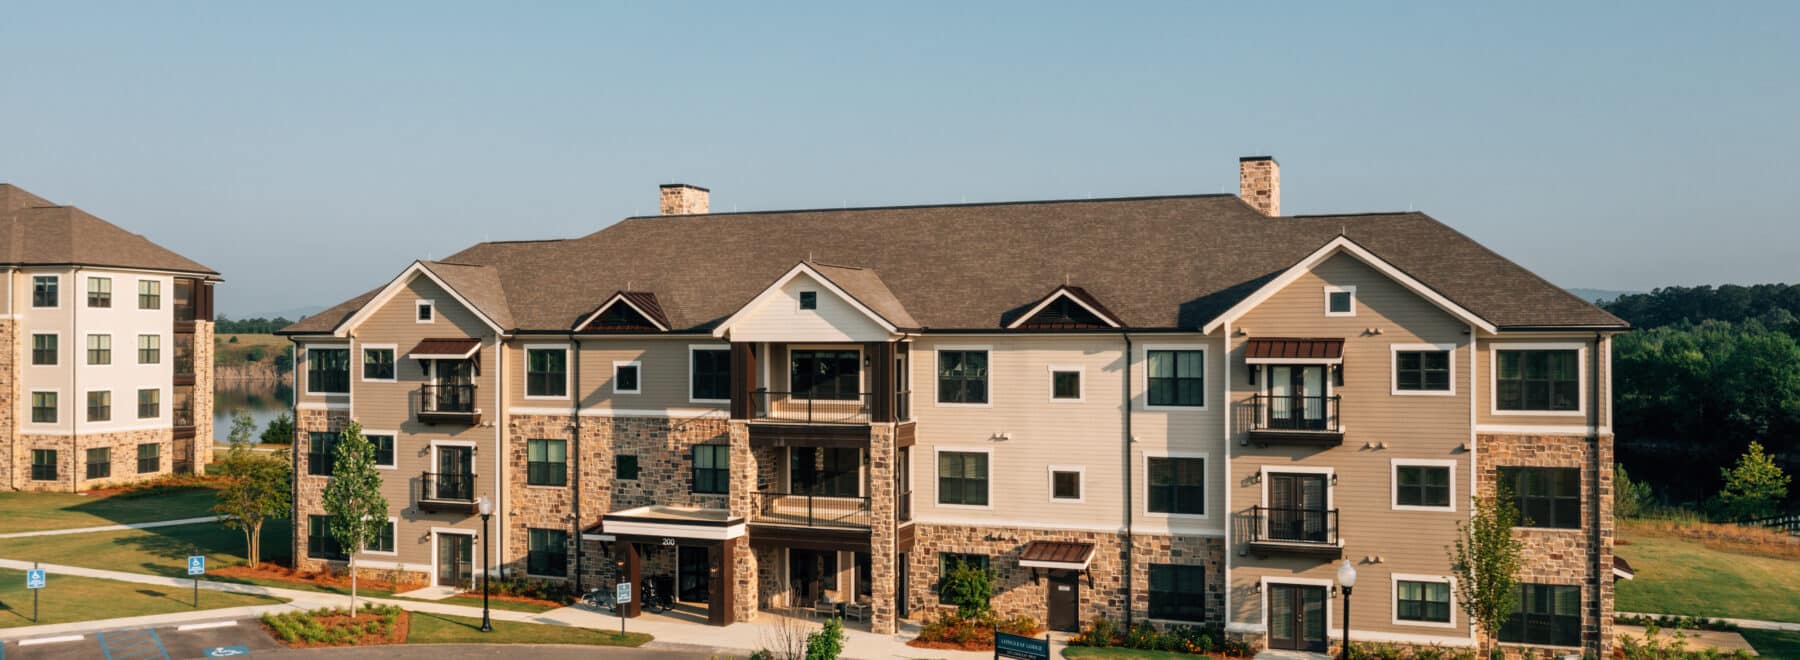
309	151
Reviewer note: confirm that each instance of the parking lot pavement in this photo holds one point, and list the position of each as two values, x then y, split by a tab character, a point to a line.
225	639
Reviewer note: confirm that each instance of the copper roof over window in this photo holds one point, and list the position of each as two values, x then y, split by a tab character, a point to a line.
444	349
1056	554
1273	348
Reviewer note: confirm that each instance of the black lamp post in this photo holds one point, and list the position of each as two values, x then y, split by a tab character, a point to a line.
1346	575
487	510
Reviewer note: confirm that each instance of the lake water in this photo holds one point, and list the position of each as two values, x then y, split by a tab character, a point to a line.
264	400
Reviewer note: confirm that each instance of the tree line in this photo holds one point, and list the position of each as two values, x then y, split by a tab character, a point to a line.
251	326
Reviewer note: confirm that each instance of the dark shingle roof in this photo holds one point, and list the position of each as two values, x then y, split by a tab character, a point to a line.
35	232
1158	262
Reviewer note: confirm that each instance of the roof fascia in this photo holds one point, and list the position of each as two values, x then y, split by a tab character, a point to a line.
773	290
1061	292
394	287
615	299
1344	245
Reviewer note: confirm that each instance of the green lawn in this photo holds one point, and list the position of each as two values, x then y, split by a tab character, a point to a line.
1091	652
444	629
67	598
26	512
1774	644
1676	576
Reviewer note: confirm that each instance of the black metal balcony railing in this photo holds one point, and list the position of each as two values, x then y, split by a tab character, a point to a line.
812	510
810	409
447	398
1280	412
447	487
1294	525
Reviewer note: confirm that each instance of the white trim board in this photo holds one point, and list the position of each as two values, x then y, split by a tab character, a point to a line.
1061	292
1343	244
773	290
618	297
1394	351
1394	466
1581	377
398	284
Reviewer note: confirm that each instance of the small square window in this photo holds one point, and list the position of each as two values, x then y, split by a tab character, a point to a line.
1340	301
43	291
625	378
625	466
427	311
1065	484
99	292
809	300
1065	384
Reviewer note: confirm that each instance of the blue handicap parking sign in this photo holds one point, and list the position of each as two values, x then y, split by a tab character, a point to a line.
34	578
197	565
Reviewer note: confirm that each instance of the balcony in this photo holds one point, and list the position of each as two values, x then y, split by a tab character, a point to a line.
788	407
1295	532
447	492
448	404
805	510
1280	419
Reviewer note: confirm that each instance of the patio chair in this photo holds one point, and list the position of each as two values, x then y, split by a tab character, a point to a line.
825	607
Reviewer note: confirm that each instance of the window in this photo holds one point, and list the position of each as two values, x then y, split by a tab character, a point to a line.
149	349
711	377
1176	378
378	364
1340	301
43	407
547	372
1425	486
948	561
43	291
625	378
149	404
149	458
149	294
625	466
809	300
546	463
1422	370
43	350
384	539
99	292
549	553
328	370
319	543
1544	380
43	465
1177	593
1177	485
99	349
1423	601
425	311
1545	614
828	375
1065	383
99	407
963	478
99	462
712	469
962	377
1546	497
384	449
1065	484
321	452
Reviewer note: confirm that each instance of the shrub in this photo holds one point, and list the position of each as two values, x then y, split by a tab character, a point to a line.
827	643
969	588
1755	487
1099	633
1630	498
762	654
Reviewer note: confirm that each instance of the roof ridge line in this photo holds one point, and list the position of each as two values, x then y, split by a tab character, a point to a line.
898	207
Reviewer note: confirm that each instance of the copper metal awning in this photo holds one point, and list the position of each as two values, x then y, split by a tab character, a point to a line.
444	349
1063	555
1283	350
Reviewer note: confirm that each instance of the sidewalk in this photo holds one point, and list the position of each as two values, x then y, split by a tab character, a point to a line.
111	528
1752	624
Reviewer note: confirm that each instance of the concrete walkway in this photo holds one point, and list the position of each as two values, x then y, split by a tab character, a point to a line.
1752	624
111	528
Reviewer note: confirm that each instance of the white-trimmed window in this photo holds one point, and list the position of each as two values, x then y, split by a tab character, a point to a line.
1175	484
1340	300
328	369
1423	484
1066	483
1539	379
809	300
424	311
44	349
383	442
99	292
1175	377
43	406
149	294
628	377
547	372
962	375
149	349
1066	383
44	292
1424	369
709	373
963	478
1424	600
99	349
378	363
383	543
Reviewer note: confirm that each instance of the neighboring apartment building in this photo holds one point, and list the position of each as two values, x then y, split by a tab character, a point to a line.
1175	409
105	352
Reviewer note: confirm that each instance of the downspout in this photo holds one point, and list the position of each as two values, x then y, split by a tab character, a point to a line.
294	442
1129	538
575	394
1600	573
76	409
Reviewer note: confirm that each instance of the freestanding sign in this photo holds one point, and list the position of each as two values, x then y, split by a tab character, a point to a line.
621	596
34	580
197	568
1021	647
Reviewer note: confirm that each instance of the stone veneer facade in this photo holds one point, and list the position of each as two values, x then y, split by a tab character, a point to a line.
11	353
71	458
309	489
203	396
1581	556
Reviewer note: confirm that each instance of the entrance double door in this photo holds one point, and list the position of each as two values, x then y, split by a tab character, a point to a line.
1297	617
1297	400
455	560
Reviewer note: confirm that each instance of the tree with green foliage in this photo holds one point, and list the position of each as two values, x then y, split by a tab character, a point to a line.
968	587
1630	498
280	430
353	501
258	488
1486	561
827	643
1755	487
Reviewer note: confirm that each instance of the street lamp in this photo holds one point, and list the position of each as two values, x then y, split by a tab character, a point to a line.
486	508
1346	578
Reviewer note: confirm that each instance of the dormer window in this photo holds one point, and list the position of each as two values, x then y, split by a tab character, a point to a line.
1340	301
809	300
426	311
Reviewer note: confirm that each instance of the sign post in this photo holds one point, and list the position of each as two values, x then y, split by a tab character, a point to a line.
197	568
621	596
1021	647
34	580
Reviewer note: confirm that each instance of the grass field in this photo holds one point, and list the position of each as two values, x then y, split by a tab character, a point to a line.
1774	644
67	598
263	346
25	512
1682	576
444	629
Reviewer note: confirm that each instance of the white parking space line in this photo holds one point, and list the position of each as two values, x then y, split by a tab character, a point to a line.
206	626
49	640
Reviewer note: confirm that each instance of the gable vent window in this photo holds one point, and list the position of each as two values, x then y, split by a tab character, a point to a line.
426	311
1340	301
809	300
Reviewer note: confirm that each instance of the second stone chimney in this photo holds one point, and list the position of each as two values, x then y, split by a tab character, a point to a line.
683	199
1259	184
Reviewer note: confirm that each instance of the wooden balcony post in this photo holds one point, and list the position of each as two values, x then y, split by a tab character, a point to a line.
881	380
743	380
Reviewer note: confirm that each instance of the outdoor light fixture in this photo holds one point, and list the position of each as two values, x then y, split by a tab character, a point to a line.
486	509
1346	576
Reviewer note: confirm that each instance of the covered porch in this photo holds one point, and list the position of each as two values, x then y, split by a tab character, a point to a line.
675	557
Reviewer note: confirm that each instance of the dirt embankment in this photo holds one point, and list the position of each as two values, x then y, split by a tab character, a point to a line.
247	371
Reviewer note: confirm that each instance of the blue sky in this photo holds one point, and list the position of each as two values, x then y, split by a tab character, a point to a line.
310	150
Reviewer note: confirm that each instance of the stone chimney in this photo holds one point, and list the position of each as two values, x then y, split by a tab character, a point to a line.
683	199
1259	184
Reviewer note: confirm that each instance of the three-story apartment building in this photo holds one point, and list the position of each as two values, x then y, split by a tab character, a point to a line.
105	352
1181	409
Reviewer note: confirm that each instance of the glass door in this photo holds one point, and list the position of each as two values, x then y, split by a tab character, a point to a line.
1297	508
1297	397
695	571
829	375
1297	617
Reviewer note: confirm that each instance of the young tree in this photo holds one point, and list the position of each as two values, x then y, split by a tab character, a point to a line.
1630	498
353	499
1486	561
258	488
1755	486
280	431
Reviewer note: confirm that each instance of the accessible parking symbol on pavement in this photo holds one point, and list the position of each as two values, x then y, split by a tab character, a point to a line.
227	651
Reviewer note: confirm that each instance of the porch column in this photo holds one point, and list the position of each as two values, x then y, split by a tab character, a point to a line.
633	574
743	380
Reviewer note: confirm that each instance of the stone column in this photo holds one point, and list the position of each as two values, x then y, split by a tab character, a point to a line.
882	534
203	395
9	393
743	504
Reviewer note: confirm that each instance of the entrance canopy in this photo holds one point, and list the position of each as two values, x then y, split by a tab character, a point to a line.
1276	350
444	349
1062	555
673	523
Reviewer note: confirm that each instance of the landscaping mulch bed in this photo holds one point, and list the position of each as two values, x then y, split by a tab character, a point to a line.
476	595
334	624
279	573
